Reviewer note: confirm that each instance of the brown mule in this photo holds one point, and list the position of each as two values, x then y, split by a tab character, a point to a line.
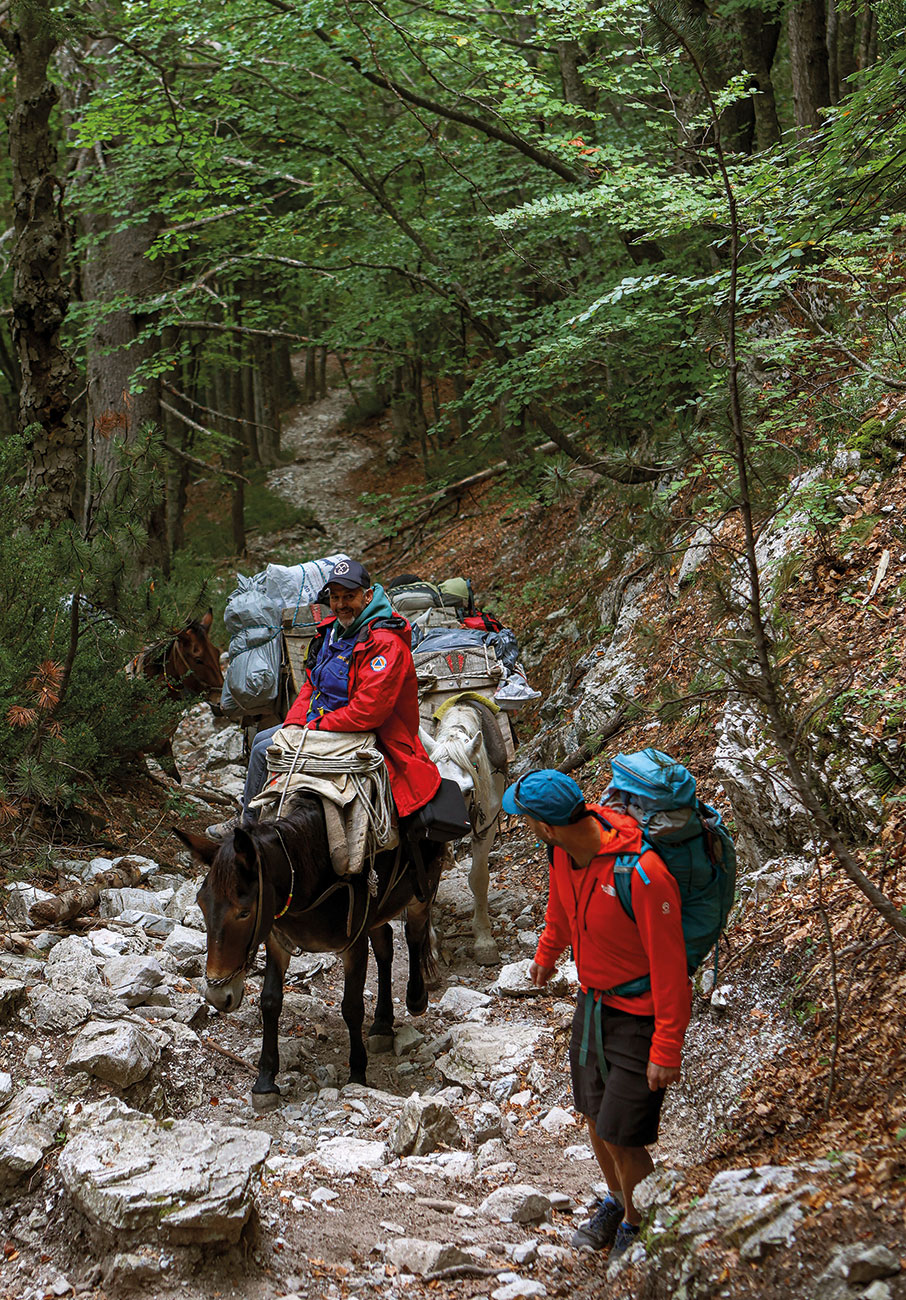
273	883
187	664
188	661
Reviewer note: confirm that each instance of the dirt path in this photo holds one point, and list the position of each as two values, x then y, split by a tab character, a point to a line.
328	473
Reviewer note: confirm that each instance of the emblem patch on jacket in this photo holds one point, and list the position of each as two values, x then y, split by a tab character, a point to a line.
378	664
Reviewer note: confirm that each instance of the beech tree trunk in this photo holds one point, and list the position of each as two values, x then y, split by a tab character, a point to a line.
40	299
758	35
808	62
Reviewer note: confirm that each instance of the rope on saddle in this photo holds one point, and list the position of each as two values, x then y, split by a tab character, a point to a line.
367	770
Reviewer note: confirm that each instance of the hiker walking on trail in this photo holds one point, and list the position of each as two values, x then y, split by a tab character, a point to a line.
360	676
624	1050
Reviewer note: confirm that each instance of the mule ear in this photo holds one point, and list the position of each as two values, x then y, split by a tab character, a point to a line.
207	621
427	740
244	852
201	847
475	744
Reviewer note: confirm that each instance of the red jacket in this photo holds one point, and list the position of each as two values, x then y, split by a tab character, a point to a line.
383	698
609	947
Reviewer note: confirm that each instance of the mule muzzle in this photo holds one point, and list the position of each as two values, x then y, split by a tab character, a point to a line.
226	994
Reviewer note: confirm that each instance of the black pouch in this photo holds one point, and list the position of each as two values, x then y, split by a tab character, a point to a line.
444	818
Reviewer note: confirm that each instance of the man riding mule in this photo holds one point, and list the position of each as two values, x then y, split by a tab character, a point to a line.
360	677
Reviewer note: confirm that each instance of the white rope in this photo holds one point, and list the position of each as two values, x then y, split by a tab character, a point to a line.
367	770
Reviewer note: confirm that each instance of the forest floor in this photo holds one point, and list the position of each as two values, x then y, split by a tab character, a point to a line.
813	1046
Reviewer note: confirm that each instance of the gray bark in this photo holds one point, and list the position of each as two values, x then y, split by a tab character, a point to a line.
40	300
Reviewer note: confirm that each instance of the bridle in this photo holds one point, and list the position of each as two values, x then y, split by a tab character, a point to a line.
258	932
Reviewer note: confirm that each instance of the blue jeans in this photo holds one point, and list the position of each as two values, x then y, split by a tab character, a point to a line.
257	773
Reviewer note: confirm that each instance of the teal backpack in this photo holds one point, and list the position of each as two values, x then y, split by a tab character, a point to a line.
691	840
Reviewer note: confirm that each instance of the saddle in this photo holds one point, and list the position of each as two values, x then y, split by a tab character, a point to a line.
347	772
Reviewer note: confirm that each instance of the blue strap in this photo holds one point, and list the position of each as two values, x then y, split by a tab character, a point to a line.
593	1009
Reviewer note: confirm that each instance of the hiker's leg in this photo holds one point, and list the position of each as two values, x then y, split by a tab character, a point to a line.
604	1158
257	773
629	1116
631	1165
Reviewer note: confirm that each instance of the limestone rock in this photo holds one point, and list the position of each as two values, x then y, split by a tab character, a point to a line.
488	1123
21	898
424	1125
132	977
113	902
57	1012
556	1120
70	964
859	1264
412	1255
406	1039
182	900
755	1209
154	924
459	1003
516	1203
27	1128
11	994
178	1183
488	1051
520	1286
513	981
343	1155
115	1050
492	1152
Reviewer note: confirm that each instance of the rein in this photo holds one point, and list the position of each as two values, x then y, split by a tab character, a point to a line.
254	943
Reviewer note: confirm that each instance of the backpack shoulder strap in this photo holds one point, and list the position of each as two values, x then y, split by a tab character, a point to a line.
623	867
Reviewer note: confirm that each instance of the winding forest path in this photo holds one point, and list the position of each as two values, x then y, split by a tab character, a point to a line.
329	470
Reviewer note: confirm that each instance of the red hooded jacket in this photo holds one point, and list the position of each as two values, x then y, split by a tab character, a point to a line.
609	947
383	698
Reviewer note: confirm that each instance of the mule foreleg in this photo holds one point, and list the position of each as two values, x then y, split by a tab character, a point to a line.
486	953
418	942
382	946
355	967
265	1092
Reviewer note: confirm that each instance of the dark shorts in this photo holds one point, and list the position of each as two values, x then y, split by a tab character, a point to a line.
624	1109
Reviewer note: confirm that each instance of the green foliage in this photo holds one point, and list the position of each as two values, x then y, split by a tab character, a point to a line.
69	714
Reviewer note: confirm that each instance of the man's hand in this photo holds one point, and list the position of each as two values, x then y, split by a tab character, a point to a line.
539	975
660	1075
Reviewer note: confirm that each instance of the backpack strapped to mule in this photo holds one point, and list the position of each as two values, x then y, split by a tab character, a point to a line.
690	839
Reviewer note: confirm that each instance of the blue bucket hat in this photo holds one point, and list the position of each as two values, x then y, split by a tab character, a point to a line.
548	795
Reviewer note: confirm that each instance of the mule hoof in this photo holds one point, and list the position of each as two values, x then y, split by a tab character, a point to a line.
264	1101
417	1008
358	1076
377	1043
486	953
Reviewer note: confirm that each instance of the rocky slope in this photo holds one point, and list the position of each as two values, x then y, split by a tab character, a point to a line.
131	1160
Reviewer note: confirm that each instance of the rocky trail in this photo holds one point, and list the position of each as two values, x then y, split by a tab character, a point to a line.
132	1163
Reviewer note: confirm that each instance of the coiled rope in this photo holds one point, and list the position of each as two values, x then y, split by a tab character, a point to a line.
366	768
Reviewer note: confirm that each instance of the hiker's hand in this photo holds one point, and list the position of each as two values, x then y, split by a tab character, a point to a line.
660	1075
539	975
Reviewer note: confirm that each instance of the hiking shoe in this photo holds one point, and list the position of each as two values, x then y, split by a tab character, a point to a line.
599	1231
627	1235
220	830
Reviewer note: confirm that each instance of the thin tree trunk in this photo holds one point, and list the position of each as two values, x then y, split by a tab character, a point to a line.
40	297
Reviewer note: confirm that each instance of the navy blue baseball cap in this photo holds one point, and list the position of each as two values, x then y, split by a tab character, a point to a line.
547	795
349	573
